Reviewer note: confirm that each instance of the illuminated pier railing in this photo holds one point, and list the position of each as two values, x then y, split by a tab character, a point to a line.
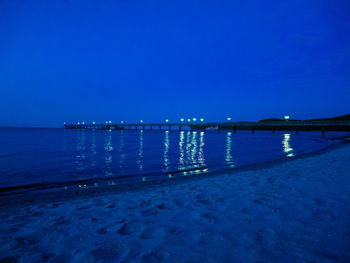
233	126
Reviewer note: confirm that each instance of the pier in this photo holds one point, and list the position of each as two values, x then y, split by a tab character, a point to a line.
294	126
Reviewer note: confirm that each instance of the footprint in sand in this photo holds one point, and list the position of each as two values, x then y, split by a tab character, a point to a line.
208	218
156	255
130	228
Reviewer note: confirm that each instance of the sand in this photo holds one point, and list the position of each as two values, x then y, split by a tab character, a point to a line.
295	211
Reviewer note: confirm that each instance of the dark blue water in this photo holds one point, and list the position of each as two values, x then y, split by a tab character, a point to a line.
37	156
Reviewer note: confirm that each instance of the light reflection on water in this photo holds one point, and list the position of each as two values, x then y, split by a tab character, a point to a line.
166	152
190	151
228	158
80	156
193	146
140	153
70	155
108	153
121	151
181	150
288	150
201	158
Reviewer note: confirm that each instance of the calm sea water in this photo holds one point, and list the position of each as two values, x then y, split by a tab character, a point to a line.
37	156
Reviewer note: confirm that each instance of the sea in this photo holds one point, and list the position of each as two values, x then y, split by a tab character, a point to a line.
34	157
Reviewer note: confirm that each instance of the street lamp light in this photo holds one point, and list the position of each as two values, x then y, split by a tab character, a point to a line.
167	120
141	121
228	118
194	119
188	120
286	117
182	119
202	119
122	121
93	122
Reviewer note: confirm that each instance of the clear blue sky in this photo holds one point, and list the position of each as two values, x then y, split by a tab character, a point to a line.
78	60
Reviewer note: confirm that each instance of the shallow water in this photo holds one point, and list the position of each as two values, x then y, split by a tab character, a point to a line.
36	156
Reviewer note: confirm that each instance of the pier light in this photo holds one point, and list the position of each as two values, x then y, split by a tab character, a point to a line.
194	119
188	120
167	120
202	119
141	121
93	122
182	119
286	117
228	118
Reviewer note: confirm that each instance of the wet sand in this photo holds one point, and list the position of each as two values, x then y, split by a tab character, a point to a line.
295	211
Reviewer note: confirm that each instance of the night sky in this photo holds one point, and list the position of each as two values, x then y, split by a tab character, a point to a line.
66	61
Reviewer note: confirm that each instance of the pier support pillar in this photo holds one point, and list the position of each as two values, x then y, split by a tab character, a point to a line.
253	131
180	127
169	127
235	131
323	132
296	132
160	127
151	128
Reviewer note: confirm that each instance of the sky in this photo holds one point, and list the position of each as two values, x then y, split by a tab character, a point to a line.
79	60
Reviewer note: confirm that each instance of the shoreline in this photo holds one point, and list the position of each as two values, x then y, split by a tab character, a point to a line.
35	193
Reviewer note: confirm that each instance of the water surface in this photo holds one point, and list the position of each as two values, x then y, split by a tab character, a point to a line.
37	156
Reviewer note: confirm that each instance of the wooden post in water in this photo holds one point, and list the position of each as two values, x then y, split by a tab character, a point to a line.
180	127
296	132
323	132
169	127
160	127
136	127
151	128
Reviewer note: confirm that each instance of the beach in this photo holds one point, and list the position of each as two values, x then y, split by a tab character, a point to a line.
291	211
